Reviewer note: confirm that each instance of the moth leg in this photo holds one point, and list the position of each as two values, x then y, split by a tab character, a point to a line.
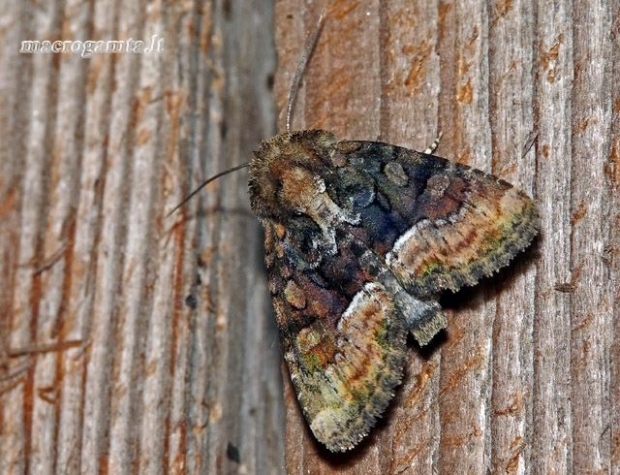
424	318
432	147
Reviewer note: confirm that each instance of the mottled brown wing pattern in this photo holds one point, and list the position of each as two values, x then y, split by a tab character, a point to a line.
342	340
448	225
360	239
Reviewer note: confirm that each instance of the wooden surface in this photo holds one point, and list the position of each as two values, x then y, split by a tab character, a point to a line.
526	380
178	365
135	343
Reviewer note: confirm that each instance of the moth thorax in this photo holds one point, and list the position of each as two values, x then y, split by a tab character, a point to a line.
286	174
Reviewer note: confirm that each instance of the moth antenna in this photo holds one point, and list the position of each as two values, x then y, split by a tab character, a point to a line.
301	68
205	183
292	95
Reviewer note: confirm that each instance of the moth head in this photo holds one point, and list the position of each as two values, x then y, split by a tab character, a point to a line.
287	174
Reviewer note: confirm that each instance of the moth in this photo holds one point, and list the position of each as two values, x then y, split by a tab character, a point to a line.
361	238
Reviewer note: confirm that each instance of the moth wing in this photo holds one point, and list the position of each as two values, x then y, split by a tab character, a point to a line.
341	336
437	224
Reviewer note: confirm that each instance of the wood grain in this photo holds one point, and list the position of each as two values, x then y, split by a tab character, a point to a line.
526	380
178	368
135	343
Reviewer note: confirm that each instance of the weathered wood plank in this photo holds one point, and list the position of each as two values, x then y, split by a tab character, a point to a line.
178	356
177	359
526	381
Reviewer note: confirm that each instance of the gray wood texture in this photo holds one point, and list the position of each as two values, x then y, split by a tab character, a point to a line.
132	342
178	365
